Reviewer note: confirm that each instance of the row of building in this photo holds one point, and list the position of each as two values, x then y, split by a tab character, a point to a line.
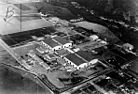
56	43
60	46
80	59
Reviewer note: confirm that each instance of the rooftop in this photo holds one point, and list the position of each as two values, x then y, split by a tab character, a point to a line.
61	40
51	42
62	52
86	55
75	59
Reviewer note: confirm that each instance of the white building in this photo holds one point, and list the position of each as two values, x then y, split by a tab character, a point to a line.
65	43
40	50
75	61
51	44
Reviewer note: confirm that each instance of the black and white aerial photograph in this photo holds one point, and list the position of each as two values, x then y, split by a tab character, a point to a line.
68	46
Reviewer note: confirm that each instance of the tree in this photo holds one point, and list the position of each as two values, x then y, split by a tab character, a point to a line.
117	9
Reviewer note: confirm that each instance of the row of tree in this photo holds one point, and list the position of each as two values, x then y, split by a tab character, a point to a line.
117	9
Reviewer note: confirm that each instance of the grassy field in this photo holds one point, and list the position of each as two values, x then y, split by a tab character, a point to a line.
57	11
13	83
